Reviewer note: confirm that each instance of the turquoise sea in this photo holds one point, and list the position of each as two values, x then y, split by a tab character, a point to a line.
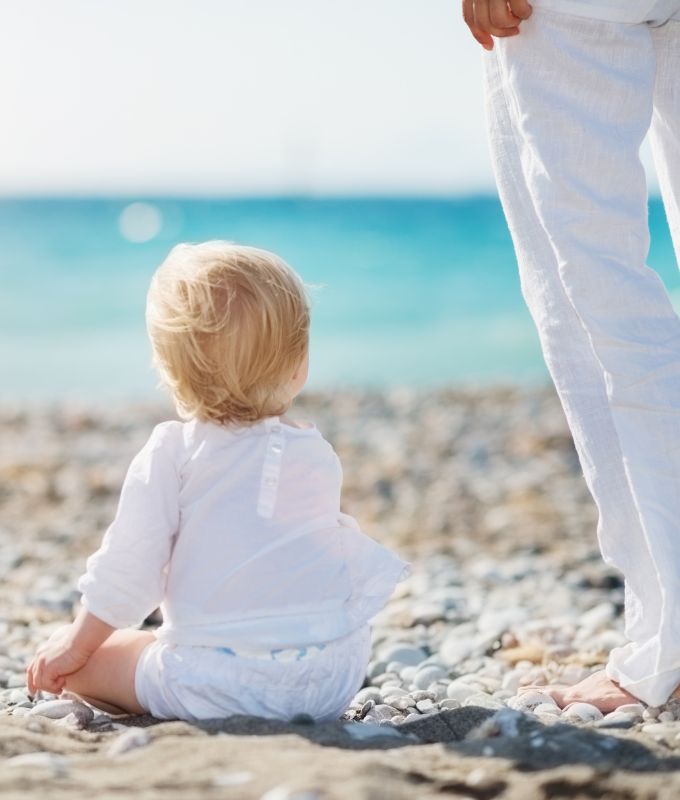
407	291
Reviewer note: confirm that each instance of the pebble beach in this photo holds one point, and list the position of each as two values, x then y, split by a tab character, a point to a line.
481	491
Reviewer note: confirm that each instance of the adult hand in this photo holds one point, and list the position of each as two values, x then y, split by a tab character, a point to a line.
489	18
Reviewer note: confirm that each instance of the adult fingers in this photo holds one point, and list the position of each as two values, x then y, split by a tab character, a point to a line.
30	682
481	36
521	8
482	20
500	15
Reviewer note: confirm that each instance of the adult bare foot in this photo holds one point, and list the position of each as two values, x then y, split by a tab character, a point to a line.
597	689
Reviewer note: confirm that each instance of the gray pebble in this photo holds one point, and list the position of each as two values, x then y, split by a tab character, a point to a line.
428	675
375	668
369	693
404	654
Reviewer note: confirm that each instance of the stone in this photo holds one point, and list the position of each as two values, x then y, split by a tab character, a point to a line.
361	731
547	708
530	700
438	691
513	655
382	712
616	719
483	701
460	690
661	730
428	675
57	709
132	739
422	694
376	668
16	697
634	709
582	712
511	681
401	703
369	693
386	677
406	655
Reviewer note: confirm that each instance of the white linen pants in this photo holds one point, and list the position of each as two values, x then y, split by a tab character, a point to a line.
569	102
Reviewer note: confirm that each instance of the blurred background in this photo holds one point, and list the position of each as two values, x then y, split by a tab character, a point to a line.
349	138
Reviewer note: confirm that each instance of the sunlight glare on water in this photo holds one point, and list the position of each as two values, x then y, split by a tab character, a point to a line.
140	222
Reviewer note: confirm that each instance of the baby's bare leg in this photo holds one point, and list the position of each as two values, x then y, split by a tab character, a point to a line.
107	681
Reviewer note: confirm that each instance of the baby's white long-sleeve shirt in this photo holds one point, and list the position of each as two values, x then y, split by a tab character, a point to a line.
236	532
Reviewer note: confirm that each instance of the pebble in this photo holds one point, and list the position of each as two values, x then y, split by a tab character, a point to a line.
57	709
661	730
634	709
460	690
405	655
616	719
369	693
132	739
483	701
422	694
468	627
428	675
16	697
233	778
530	700
380	712
582	712
401	703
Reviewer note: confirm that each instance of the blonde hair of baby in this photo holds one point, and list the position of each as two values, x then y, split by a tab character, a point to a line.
229	327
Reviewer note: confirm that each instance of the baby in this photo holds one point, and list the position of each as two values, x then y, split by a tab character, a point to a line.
230	521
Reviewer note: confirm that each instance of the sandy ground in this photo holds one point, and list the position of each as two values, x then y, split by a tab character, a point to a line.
481	477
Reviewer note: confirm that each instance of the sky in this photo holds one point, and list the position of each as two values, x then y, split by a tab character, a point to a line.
240	97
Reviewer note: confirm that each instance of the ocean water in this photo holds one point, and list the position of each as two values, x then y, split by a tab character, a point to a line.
407	292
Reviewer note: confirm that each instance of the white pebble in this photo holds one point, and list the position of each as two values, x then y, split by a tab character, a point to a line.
548	708
460	690
483	701
528	701
427	675
634	709
57	709
132	739
584	712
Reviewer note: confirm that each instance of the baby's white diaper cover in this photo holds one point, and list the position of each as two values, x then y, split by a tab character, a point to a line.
194	683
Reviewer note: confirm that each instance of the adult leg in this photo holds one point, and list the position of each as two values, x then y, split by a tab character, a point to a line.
107	681
665	130
576	99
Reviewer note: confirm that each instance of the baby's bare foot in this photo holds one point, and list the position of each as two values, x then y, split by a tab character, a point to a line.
597	689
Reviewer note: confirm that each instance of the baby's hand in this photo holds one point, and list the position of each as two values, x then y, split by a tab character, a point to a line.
487	18
53	661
